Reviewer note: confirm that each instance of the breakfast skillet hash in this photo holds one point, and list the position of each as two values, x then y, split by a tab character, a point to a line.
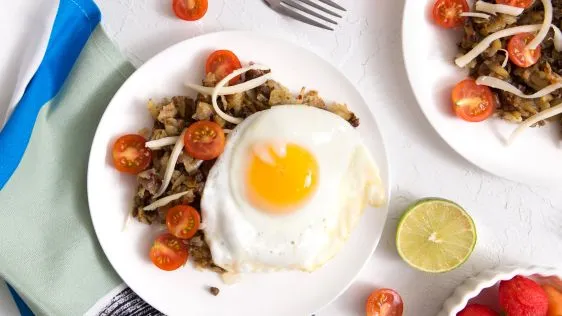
283	191
512	50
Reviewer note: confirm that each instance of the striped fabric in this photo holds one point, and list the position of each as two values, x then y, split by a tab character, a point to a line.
126	302
74	22
24	310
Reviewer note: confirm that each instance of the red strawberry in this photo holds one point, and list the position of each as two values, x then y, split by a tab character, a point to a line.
477	310
521	296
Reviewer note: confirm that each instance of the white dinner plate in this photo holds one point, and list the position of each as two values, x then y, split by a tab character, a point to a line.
534	158
185	291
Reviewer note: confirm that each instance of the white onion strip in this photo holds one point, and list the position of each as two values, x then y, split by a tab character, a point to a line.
476	15
127	221
547	4
171	165
486	42
497	8
557	38
506	57
194	167
222	83
505	86
162	142
239	88
541	116
164	201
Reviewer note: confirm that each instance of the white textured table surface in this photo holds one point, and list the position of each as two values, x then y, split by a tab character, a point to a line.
516	223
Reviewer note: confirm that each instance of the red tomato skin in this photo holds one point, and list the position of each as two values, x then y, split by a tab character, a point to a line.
181	11
518	54
384	302
120	151
469	89
173	251
445	13
176	215
227	61
208	149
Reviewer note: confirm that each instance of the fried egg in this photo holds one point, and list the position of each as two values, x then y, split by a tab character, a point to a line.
287	191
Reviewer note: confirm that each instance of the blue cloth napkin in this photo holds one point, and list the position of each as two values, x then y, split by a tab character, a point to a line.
23	308
74	22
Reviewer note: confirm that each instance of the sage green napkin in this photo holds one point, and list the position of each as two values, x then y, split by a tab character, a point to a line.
48	248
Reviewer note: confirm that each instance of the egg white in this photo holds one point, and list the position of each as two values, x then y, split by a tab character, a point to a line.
243	238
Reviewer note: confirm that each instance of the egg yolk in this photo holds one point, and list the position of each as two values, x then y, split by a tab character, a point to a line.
281	177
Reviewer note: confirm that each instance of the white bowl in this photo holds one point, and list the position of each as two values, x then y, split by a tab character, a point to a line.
470	290
429	52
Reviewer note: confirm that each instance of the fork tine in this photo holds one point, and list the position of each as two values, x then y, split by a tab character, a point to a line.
333	4
302	18
307	10
319	7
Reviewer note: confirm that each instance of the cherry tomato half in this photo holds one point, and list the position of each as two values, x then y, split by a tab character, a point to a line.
222	63
183	221
169	252
516	3
519	54
130	154
384	302
190	10
472	102
447	13
204	140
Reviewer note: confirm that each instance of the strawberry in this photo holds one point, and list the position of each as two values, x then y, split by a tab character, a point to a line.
521	296
477	310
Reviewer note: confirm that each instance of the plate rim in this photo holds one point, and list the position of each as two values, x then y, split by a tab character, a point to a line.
383	146
450	143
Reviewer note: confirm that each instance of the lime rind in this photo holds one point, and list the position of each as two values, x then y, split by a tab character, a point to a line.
419	224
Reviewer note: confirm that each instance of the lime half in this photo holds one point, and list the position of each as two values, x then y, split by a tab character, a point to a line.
435	235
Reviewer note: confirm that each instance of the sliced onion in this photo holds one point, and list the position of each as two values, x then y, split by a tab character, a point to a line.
506	57
476	15
497	8
487	41
127	222
194	167
162	142
547	4
557	38
164	201
224	101
541	116
239	88
222	83
505	86
171	165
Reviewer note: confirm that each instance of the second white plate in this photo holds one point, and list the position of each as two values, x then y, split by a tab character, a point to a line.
429	52
185	291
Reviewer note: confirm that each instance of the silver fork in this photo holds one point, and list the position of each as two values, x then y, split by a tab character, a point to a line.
295	9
